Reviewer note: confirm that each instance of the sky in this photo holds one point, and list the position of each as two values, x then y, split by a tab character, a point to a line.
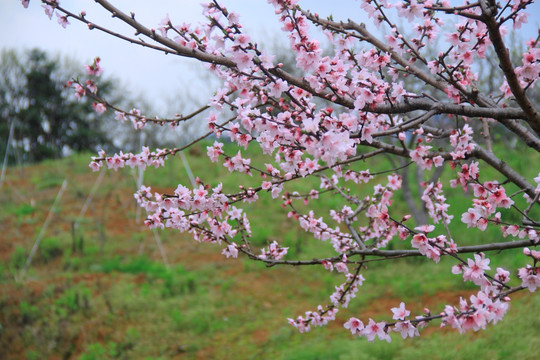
144	72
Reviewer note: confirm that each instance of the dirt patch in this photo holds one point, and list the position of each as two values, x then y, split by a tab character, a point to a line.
260	336
6	248
206	353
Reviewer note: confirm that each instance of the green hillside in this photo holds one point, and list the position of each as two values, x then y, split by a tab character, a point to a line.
99	288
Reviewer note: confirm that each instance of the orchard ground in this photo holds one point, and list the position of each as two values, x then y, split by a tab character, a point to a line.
102	290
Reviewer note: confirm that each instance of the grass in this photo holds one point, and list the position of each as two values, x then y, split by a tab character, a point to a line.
102	291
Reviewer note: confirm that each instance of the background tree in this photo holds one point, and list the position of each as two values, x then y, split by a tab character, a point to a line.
49	121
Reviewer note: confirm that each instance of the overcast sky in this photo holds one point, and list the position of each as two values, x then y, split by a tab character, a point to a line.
145	71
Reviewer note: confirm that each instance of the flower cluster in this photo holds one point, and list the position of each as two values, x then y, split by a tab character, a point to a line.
436	203
488	197
273	252
142	160
432	248
474	270
475	315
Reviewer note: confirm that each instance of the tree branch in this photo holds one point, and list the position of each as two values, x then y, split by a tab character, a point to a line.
533	116
405	253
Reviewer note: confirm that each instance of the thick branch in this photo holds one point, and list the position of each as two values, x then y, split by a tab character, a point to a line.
414	123
533	116
448	108
406	253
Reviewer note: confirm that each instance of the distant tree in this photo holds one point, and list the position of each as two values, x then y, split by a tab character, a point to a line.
49	120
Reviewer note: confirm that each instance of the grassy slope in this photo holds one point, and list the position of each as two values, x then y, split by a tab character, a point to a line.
116	299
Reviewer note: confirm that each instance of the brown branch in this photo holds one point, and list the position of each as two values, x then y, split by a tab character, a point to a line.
486	134
533	116
155	120
92	26
178	49
405	253
406	125
409	105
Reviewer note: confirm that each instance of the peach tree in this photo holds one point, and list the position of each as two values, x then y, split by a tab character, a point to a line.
354	96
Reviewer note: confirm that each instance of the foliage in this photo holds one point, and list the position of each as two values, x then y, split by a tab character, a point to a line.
50	248
18	258
48	120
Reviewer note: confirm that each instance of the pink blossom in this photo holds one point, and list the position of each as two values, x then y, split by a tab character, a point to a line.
474	271
277	88
502	275
273	252
400	313
530	277
394	182
311	124
406	329
230	251
235	214
354	325
154	221
374	329
94	69
49	10
91	85
300	324
215	151
520	19
342	267
79	91
328	265
63	20
470	218
95	166
438	161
